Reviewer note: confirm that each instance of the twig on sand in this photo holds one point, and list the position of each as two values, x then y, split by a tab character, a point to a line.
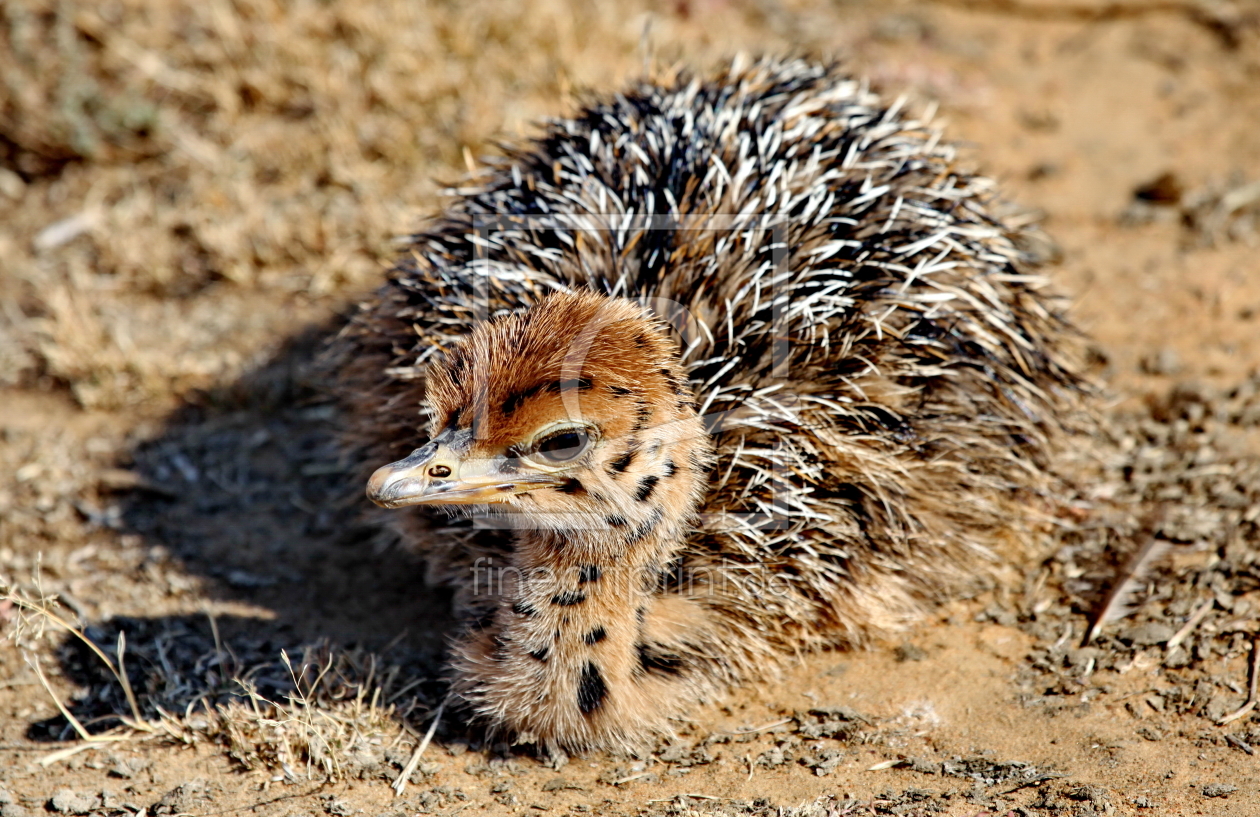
755	729
688	794
400	782
1119	602
1252	681
89	740
41	610
1188	627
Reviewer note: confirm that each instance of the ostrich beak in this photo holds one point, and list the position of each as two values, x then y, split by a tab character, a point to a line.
435	475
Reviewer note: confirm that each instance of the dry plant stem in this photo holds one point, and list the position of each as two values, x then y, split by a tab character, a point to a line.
89	739
1117	603
765	728
121	674
630	778
400	782
39	672
68	752
1188	627
1253	679
136	721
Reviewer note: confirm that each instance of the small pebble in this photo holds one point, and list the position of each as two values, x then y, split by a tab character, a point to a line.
1147	635
909	652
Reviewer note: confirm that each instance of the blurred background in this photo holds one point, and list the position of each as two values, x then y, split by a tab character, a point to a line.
173	173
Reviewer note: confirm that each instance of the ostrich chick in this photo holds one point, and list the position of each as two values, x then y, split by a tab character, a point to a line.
575	417
716	370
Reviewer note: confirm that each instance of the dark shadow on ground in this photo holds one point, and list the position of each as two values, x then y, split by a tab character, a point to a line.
246	489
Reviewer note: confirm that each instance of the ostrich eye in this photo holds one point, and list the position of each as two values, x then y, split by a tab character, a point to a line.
563	446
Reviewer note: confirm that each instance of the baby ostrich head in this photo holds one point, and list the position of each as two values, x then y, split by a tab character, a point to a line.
572	417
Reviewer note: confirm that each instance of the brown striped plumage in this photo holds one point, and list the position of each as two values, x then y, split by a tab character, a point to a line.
718	369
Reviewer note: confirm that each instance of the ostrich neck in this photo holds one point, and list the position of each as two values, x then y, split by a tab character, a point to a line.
572	615
569	574
586	631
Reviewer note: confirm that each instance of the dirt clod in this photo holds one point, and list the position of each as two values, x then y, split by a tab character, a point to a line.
1219	789
69	801
909	652
336	807
838	723
185	798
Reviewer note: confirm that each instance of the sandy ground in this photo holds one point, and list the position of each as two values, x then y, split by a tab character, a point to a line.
190	192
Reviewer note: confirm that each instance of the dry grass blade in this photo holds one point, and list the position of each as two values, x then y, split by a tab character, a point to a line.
89	740
66	713
329	715
1188	627
121	674
68	752
1119	600
1252	683
400	782
42	611
754	730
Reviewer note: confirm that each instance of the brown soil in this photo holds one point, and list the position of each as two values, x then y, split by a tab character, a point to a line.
191	191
